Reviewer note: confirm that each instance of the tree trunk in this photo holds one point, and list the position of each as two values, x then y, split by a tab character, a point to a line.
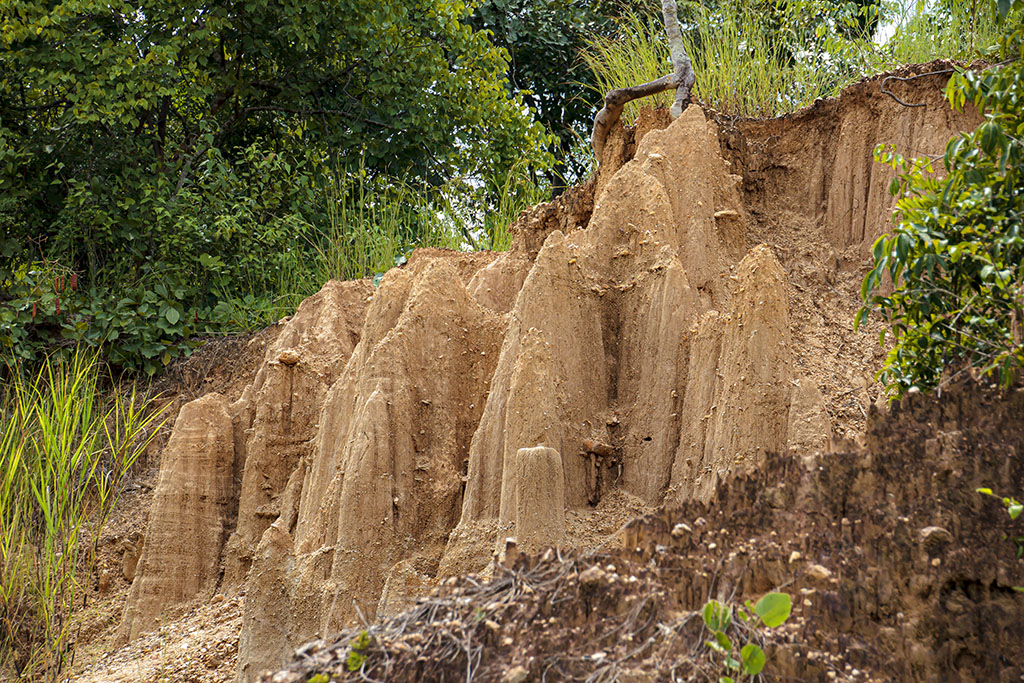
682	79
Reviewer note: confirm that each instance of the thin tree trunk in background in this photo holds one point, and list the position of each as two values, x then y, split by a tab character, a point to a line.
682	79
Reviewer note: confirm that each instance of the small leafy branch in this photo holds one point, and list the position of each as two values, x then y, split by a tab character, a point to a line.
955	261
1014	508
772	610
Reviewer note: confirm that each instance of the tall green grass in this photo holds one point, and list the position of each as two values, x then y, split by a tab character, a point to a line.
64	454
638	54
757	60
741	68
915	33
484	222
371	227
516	192
955	29
745	69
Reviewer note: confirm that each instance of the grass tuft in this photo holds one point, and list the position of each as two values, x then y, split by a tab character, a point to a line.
741	69
64	455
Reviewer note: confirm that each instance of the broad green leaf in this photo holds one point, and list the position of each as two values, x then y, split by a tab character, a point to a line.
717	616
708	613
991	138
774	609
753	659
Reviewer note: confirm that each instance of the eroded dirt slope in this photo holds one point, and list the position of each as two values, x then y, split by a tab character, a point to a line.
898	569
649	335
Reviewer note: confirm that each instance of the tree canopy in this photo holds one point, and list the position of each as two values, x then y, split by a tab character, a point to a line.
544	39
137	137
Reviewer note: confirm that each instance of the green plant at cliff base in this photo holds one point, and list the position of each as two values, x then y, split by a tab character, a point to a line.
771	611
957	254
1014	508
63	458
357	655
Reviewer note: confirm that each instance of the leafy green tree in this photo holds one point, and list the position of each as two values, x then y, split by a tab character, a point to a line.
957	255
182	145
544	39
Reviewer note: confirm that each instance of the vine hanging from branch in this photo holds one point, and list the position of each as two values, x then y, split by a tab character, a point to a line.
681	78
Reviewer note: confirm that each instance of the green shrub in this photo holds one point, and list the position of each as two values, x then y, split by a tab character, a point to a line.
956	255
172	160
771	611
154	268
236	251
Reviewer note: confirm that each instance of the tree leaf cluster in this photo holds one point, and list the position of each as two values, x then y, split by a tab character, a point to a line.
544	39
771	611
955	260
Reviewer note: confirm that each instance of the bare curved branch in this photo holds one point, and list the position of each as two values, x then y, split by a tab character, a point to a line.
682	79
615	100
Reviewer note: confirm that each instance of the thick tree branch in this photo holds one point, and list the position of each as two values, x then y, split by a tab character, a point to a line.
614	103
680	60
682	79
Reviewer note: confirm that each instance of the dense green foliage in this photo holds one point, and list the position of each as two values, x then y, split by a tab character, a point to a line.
63	458
544	39
957	254
171	158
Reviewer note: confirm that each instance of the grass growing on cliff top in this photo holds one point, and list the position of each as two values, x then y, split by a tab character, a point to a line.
743	67
369	227
756	61
64	454
372	228
963	30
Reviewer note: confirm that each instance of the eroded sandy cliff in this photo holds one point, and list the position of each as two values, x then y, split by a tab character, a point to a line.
654	332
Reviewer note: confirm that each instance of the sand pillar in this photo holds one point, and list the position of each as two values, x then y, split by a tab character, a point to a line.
540	498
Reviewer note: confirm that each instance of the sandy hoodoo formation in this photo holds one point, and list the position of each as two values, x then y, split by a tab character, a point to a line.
639	343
